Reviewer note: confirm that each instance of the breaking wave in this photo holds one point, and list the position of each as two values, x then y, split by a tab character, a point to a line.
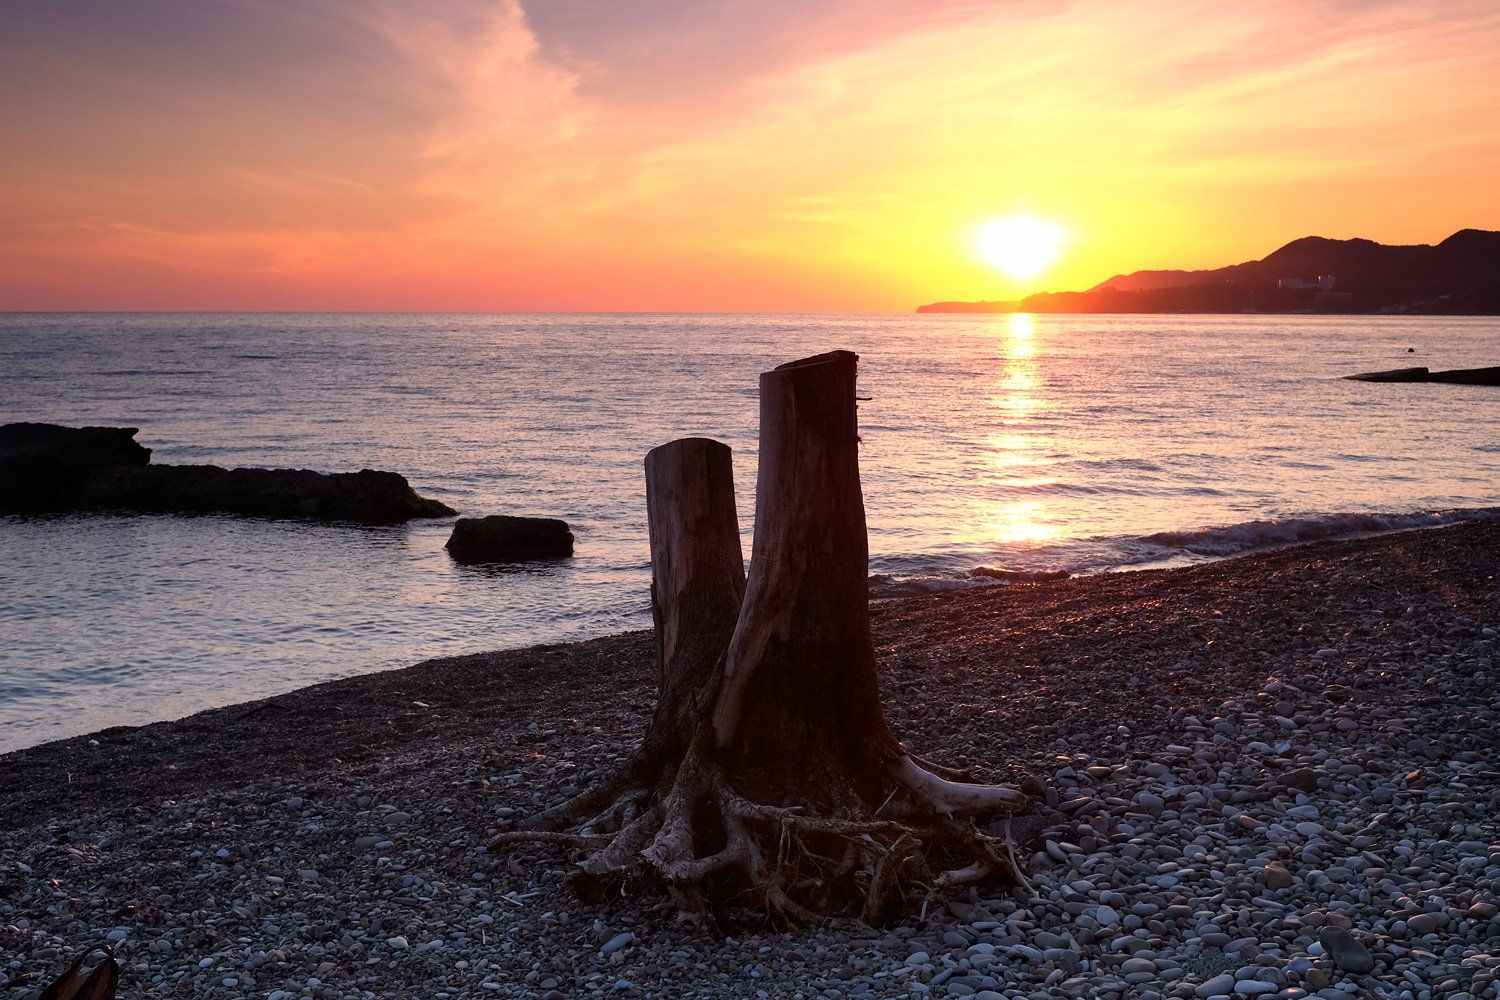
884	585
1251	535
1164	548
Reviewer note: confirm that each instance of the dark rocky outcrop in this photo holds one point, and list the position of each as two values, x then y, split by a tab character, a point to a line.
44	467
1394	375
501	538
1454	376
368	495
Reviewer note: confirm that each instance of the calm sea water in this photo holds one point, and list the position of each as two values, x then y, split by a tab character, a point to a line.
1081	443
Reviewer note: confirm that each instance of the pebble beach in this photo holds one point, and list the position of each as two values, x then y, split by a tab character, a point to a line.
1270	776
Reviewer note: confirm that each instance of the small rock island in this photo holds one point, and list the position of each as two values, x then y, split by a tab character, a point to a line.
1453	376
48	468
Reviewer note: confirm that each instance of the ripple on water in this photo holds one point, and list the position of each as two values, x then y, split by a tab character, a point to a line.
1065	448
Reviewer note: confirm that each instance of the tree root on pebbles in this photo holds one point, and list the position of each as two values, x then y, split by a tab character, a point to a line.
718	852
769	779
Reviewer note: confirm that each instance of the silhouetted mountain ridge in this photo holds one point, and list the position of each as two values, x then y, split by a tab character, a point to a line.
1460	275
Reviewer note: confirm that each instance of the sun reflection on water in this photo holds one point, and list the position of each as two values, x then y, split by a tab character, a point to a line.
1021	326
1019	403
1022	521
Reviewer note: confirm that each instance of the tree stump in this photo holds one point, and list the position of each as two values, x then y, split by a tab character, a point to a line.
697	578
769	778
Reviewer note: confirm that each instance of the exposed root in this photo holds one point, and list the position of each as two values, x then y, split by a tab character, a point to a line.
623	852
941	770
586	803
976	872
794	818
673	843
887	869
714	849
619	813
953	798
1015	866
548	837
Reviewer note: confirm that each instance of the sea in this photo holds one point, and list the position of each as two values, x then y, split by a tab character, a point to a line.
1089	444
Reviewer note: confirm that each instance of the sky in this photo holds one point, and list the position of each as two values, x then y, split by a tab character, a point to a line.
709	155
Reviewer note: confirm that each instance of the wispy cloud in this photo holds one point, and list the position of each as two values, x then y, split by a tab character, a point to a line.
833	154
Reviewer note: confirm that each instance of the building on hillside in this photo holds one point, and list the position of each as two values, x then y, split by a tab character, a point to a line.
1323	283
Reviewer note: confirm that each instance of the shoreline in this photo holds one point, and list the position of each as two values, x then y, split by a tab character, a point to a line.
308	703
1199	546
1196	690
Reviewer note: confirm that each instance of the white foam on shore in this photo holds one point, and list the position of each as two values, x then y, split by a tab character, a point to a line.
1249	536
884	585
1178	548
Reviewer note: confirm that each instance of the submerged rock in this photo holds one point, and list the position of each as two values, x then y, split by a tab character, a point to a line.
501	538
45	467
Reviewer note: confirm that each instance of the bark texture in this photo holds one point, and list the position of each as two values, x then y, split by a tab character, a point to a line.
697	578
799	696
769	779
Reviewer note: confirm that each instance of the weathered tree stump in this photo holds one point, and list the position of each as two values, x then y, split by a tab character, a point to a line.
697	579
769	778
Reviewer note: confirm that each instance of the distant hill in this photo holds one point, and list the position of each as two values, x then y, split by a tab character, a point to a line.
1459	276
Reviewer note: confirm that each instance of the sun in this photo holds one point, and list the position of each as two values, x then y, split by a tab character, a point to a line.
1020	245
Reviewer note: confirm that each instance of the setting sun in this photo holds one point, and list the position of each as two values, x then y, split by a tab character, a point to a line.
1020	245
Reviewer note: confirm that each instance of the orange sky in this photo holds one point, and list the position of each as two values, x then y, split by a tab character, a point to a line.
768	155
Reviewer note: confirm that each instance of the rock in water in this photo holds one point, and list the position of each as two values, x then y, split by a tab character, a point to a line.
501	538
367	496
43	465
1019	575
1347	953
1394	375
1455	376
